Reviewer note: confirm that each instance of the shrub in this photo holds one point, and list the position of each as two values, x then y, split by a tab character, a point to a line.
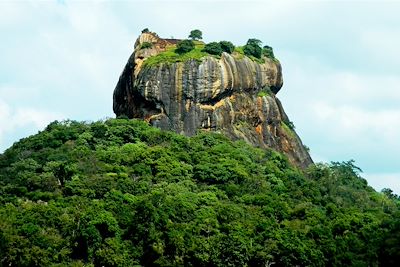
254	42
213	48
196	35
253	48
146	45
262	94
290	124
265	91
171	56
184	46
227	46
268	52
145	30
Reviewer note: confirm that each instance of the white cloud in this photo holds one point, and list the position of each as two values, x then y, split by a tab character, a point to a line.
344	114
383	45
357	123
384	180
10	14
13	120
37	118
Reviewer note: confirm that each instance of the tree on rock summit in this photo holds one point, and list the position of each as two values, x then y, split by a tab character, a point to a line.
196	35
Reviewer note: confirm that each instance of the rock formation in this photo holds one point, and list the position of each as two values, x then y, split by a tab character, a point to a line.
232	94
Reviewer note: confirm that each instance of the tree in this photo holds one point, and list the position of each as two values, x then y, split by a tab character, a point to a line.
253	48
254	41
268	51
389	193
145	30
184	46
213	48
227	46
196	35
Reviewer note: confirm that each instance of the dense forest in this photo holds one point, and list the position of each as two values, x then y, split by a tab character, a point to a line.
121	193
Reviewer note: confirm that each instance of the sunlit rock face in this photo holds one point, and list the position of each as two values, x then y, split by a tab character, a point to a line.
233	95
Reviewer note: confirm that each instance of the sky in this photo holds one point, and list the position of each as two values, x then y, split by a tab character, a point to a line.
341	66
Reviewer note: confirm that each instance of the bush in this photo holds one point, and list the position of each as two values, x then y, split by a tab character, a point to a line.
262	94
184	46
290	124
227	46
265	91
145	30
268	52
253	48
213	48
146	45
196	35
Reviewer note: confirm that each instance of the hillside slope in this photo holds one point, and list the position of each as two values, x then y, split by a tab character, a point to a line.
121	193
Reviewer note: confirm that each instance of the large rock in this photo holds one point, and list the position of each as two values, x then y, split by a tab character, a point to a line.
233	95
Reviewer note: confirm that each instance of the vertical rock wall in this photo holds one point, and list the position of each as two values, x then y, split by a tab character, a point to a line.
231	95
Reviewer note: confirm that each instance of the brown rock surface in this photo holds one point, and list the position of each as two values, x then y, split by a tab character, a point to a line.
231	95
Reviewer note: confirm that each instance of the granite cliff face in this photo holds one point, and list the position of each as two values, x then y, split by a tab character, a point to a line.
232	94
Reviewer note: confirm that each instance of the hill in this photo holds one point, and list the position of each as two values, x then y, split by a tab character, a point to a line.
122	193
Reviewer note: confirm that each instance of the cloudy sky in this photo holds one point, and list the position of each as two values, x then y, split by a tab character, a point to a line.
341	66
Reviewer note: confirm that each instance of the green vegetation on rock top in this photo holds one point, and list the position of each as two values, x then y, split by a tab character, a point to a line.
171	56
121	193
196	35
184	50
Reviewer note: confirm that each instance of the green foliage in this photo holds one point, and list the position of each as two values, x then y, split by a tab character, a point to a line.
227	47
389	193
268	52
238	52
213	48
121	193
196	35
145	45
266	91
253	48
290	125
306	148
170	56
262	93
194	49
145	30
184	46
